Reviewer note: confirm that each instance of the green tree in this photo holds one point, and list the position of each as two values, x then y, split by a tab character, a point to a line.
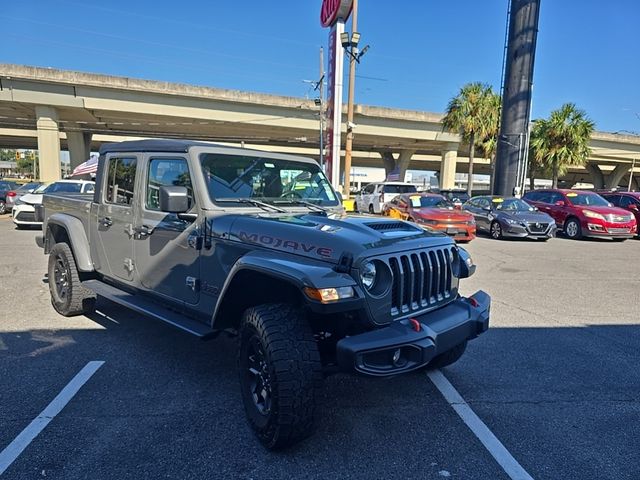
489	144
561	141
7	155
469	114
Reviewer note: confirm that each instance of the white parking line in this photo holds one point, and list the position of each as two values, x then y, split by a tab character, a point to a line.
16	447
477	426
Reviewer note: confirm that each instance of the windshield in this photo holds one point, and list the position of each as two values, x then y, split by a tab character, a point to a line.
28	186
432	201
400	189
269	180
512	205
587	199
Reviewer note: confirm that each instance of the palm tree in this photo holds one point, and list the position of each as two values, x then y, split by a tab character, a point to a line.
562	140
489	144
468	113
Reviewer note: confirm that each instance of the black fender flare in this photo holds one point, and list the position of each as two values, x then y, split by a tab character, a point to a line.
299	272
77	238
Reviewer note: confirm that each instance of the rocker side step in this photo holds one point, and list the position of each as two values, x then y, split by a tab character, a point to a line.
146	307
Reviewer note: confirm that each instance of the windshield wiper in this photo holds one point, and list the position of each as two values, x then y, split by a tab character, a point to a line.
251	201
309	205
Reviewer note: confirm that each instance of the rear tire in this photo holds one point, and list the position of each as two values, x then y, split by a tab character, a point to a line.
280	374
573	229
68	296
371	209
495	230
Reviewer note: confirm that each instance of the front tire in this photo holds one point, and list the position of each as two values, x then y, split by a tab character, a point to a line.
280	374
573	229
3	208
68	296
496	230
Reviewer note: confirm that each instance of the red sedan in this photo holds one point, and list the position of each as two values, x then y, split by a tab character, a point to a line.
434	212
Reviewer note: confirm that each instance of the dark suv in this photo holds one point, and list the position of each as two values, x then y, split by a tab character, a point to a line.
582	213
630	201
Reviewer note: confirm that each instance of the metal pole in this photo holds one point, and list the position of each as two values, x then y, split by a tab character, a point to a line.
321	93
516	97
633	165
352	81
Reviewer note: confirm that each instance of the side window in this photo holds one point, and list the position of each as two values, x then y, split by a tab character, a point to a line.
555	197
121	179
543	197
482	203
369	189
622	201
88	188
533	196
166	172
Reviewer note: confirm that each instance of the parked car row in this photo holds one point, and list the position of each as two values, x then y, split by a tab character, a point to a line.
540	214
23	209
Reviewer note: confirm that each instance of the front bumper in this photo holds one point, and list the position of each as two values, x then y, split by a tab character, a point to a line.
399	348
596	229
521	231
24	215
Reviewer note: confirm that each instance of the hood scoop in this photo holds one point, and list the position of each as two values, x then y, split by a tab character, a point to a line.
392	226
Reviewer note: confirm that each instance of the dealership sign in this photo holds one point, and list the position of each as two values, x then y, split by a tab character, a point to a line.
332	10
333	14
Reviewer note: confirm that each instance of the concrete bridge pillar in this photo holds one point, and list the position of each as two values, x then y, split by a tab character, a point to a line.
401	163
448	166
596	175
616	175
48	143
79	147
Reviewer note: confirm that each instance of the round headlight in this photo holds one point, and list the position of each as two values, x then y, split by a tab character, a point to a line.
368	275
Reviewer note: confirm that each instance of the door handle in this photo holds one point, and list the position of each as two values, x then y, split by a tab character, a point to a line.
106	222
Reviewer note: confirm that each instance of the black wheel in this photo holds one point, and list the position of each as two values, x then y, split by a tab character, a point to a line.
280	374
355	206
495	230
572	229
448	357
371	209
68	296
3	208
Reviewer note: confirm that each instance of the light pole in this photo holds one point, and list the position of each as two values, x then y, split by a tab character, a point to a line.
350	45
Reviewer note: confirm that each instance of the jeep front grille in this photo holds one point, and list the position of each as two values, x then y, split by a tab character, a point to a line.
422	279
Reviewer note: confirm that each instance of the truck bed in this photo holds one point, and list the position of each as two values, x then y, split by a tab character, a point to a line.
77	205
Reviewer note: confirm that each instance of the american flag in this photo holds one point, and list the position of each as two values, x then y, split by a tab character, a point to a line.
90	166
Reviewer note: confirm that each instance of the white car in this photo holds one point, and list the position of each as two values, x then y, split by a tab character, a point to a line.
372	197
23	212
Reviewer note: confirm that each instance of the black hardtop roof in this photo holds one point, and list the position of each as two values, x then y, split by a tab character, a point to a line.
183	146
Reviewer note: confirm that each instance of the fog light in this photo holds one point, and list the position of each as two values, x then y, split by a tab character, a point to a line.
396	357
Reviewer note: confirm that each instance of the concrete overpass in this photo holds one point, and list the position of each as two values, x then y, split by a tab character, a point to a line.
50	109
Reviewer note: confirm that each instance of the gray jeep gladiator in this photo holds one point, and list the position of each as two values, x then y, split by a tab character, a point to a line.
216	239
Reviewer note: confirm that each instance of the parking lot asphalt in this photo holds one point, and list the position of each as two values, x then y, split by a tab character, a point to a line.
556	379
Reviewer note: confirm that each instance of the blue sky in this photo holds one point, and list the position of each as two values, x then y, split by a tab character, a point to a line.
421	52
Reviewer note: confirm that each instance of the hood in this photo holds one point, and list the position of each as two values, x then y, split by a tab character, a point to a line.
443	214
527	216
327	238
32	198
603	210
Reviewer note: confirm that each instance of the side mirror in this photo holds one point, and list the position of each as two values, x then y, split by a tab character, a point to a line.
174	199
633	206
560	203
339	195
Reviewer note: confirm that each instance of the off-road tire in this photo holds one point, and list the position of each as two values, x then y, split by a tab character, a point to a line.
68	296
572	232
449	357
294	373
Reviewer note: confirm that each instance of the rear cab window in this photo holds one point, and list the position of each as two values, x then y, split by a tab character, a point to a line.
120	181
